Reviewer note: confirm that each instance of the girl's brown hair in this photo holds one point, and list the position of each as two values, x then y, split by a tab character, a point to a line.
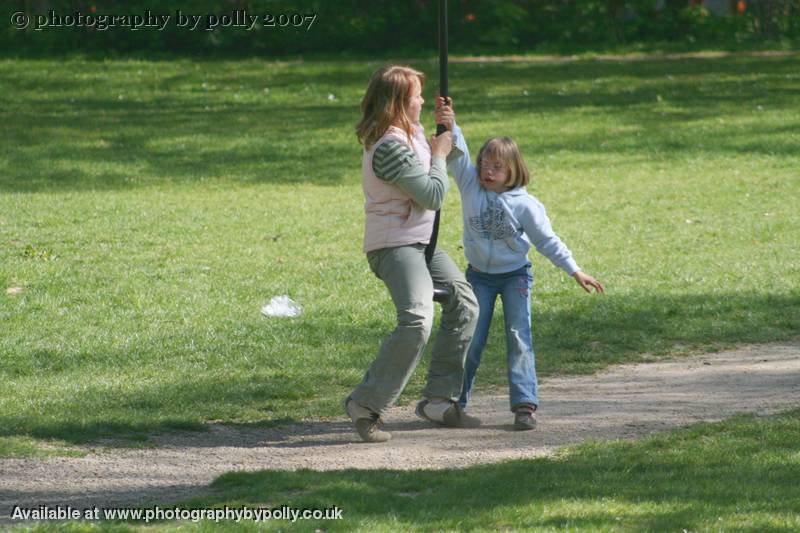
506	151
386	103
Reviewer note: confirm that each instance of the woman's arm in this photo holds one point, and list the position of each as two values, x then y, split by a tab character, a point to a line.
395	162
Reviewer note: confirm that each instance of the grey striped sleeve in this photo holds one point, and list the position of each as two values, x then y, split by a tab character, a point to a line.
397	163
393	160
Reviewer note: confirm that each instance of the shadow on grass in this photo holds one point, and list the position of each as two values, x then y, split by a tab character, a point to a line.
742	471
167	142
178	133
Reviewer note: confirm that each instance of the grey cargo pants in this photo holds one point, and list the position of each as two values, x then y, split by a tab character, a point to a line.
410	283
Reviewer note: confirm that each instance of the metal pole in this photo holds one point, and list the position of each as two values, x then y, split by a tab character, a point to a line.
439	128
442	56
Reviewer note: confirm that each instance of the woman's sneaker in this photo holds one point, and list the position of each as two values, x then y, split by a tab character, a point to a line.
524	418
368	424
453	416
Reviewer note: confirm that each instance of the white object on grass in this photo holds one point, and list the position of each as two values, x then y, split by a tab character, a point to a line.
281	306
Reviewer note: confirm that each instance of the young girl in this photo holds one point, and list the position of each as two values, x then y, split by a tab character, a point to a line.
501	222
404	182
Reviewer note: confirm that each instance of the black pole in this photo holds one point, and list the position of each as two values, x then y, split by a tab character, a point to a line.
439	128
442	56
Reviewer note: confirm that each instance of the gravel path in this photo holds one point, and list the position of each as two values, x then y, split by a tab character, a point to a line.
623	402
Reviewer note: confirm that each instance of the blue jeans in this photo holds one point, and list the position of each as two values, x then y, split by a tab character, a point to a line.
514	289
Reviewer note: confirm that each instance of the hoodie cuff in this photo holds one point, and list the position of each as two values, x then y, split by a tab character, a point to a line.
571	267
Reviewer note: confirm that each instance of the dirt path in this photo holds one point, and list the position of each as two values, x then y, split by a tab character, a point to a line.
623	402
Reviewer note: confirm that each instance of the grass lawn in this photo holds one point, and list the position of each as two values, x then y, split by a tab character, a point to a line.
148	209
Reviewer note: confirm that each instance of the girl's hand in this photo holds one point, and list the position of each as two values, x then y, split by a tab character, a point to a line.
441	102
586	281
441	144
444	112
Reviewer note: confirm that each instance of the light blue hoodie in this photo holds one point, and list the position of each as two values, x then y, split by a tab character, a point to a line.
499	229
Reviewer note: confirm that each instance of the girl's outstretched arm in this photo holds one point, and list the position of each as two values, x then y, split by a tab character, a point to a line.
536	225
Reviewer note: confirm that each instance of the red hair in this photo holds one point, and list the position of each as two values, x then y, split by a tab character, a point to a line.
386	103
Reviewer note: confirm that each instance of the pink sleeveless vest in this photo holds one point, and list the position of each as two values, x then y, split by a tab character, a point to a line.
392	217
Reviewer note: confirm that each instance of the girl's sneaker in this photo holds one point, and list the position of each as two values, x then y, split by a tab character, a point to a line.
524	418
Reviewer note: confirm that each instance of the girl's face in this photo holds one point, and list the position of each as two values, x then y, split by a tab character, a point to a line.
415	102
494	175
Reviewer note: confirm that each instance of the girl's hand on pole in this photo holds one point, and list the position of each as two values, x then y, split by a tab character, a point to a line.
444	112
445	117
586	281
441	102
441	144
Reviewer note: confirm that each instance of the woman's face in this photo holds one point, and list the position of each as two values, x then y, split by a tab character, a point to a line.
415	102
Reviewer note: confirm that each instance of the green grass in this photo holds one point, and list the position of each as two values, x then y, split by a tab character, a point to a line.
30	447
737	475
148	209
